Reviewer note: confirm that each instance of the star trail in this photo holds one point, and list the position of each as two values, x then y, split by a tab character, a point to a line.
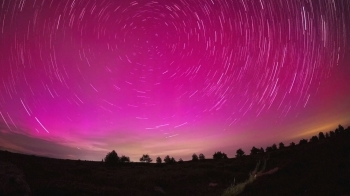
79	78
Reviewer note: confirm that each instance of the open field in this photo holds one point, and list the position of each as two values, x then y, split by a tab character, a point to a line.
319	168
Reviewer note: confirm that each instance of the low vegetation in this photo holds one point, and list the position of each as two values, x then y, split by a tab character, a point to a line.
319	166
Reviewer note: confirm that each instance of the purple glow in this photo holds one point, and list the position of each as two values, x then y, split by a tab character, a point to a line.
79	78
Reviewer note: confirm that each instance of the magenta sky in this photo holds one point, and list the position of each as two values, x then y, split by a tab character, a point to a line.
79	78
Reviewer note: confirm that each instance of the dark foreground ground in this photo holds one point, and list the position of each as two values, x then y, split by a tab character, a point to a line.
320	168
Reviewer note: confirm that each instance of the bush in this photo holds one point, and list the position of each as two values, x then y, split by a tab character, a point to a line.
303	141
239	153
262	150
112	158
254	150
145	158
281	145
124	159
219	155
159	160
327	135
167	159
194	157
269	149
321	136
274	147
201	156
314	139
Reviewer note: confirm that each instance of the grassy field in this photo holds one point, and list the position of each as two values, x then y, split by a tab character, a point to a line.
320	168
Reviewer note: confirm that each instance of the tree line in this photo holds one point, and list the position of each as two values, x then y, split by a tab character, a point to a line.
113	158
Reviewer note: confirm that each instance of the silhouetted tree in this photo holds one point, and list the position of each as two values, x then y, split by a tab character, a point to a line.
167	159
124	159
219	155
338	131
292	144
347	130
194	157
254	150
239	153
269	149
172	160
321	136
180	160
274	147
303	141
331	134
145	158
111	158
341	129
159	160
314	139
201	156
327	135
281	145
261	150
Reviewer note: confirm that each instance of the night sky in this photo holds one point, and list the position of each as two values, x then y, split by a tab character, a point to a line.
79	78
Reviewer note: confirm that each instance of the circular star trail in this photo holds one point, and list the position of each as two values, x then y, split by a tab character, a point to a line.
76	70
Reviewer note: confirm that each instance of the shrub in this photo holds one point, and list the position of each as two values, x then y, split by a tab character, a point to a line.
124	159
303	141
167	159
111	158
274	147
159	160
269	149
239	153
219	155
261	150
254	150
201	156
314	139
321	136
281	145
327	135
194	157
145	158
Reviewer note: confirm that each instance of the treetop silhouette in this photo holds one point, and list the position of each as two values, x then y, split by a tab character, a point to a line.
167	159
146	158
239	153
111	158
254	150
219	155
195	157
201	156
158	160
